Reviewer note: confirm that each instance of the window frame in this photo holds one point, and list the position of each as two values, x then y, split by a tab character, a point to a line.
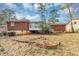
12	24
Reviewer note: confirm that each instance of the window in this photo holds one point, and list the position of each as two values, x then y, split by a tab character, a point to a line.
36	26
12	23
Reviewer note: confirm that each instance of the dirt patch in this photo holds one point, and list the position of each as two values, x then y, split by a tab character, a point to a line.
27	45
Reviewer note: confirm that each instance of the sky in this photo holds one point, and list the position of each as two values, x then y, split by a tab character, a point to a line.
25	10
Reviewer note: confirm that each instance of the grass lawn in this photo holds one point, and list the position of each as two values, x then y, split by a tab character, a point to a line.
11	47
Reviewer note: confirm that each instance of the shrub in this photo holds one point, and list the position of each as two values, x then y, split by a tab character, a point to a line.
11	34
4	33
1	48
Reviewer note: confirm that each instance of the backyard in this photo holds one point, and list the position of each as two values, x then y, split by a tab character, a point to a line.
17	45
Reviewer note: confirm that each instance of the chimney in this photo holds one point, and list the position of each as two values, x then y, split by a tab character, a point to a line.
14	18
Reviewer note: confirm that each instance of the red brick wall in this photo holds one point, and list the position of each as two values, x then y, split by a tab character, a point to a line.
18	26
58	27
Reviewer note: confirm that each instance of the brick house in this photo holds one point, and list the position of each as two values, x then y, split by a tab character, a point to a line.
18	25
58	27
21	25
25	25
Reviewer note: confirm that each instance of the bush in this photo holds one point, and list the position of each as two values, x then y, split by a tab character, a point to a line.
1	48
4	33
11	34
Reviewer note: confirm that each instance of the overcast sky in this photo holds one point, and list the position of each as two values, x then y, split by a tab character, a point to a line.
29	12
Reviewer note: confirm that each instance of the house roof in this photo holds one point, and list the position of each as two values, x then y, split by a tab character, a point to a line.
72	19
18	21
57	23
35	21
26	20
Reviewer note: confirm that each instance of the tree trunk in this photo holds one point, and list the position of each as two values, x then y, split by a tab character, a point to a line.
70	17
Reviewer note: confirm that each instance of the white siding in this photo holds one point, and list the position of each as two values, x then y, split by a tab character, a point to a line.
75	26
34	26
68	27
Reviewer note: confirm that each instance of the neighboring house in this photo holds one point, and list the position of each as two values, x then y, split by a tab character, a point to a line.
34	25
3	28
75	23
58	27
18	25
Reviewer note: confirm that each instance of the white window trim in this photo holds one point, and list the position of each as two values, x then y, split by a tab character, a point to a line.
12	24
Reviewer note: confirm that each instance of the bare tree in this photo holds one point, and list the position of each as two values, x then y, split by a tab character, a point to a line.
67	6
8	13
